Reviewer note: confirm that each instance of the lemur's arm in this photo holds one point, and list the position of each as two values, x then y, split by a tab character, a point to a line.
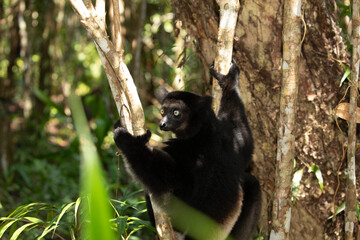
231	106
154	168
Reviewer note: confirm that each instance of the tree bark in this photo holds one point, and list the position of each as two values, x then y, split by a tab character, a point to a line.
118	74
180	46
138	43
9	30
120	80
48	23
281	213
228	17
258	52
351	200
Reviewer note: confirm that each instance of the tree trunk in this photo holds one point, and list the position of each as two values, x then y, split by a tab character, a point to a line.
121	82
351	201
136	71
9	30
48	23
281	213
258	52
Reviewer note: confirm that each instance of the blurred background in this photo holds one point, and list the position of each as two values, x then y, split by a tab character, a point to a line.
43	48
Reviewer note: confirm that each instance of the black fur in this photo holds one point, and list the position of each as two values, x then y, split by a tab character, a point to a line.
206	164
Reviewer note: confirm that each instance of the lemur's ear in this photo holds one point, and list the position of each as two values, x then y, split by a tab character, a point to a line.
202	104
161	93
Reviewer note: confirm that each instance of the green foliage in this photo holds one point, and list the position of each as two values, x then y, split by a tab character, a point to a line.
315	169
46	161
48	102
128	216
38	178
339	210
296	183
92	180
298	176
344	12
342	208
196	224
44	221
346	75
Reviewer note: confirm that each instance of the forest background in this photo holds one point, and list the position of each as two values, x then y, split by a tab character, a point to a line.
44	48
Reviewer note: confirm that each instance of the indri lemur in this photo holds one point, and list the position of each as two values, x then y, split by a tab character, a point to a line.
205	166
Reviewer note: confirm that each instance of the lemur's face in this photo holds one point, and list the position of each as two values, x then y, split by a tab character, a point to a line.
175	116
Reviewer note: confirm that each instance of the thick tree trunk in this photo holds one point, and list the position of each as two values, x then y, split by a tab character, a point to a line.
281	213
258	51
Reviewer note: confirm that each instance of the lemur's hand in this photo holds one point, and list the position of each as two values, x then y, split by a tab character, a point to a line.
122	137
228	81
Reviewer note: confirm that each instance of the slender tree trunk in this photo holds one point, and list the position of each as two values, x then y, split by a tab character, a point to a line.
281	214
138	44
228	18
7	87
46	65
121	82
351	200
25	54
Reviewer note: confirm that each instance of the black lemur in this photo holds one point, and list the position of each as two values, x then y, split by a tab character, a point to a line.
205	166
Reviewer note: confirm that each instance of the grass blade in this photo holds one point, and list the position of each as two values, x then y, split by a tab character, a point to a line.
296	183
5	226
339	210
20	230
63	211
92	179
77	205
318	175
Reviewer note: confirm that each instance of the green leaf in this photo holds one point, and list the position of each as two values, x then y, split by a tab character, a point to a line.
25	209
318	175
77	205
34	220
339	210
20	230
296	183
52	225
114	208
122	224
294	164
346	74
48	229
5	226
93	182
63	211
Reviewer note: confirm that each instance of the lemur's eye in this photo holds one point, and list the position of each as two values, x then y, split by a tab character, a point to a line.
162	111
176	112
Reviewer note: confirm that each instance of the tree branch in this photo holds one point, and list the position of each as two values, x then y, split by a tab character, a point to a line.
228	17
117	72
117	26
120	80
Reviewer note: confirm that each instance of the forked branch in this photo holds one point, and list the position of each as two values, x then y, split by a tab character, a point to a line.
121	83
120	80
